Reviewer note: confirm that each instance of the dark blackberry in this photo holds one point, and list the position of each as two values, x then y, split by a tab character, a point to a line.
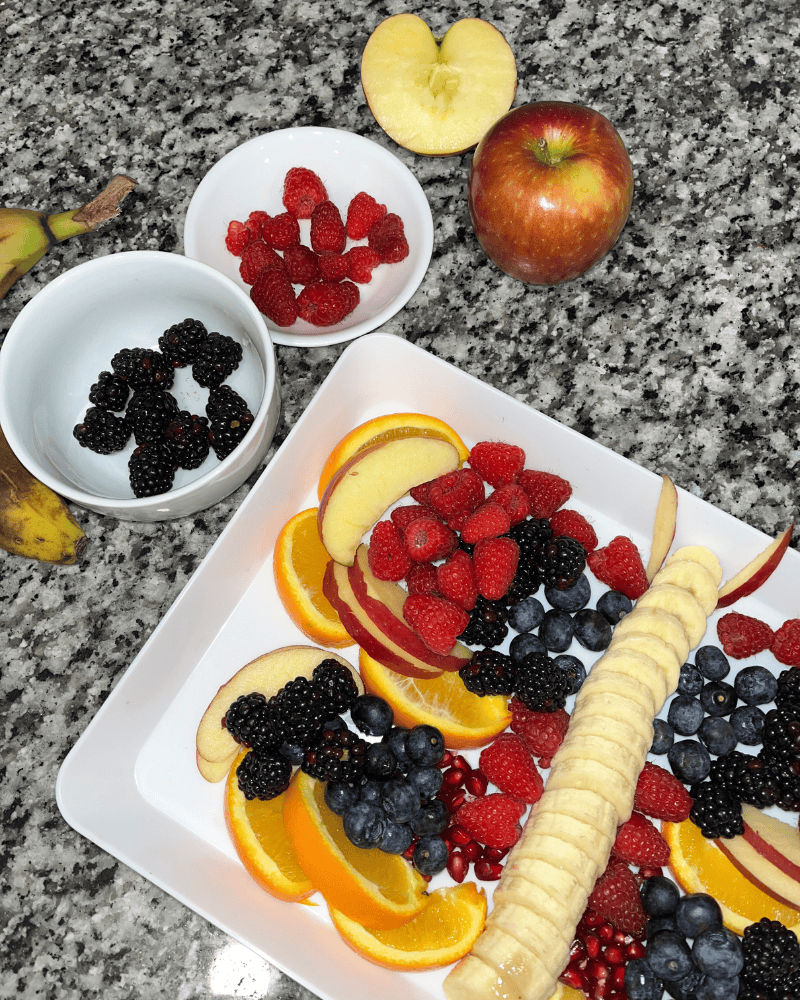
746	778
338	755
217	358
142	368
487	624
298	712
715	811
771	956
489	672
785	772
188	437
531	535
541	686
223	398
102	431
781	733
229	424
788	694
247	720
562	562
149	412
263	775
109	392
151	469
182	342
338	686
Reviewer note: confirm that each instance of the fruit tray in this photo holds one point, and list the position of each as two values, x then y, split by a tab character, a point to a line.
130	784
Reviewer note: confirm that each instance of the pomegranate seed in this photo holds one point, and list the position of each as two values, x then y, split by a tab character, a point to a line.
476	784
613	955
592	946
618	977
457	866
573	978
577	950
446	760
426	877
494	853
601	990
605	933
408	853
458	834
473	851
621	938
454	776
462	763
456	799
488	871
635	950
592	919
597	970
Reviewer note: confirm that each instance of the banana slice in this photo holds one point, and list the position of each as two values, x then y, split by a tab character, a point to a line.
472	977
656	648
585	806
536	932
658	622
603	751
692	576
594	843
639	666
515	961
679	602
634	732
619	686
699	554
525	893
592	775
560	854
558	882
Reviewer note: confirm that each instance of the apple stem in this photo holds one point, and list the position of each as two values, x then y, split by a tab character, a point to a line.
543	153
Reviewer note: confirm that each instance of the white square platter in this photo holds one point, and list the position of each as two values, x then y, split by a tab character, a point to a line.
130	784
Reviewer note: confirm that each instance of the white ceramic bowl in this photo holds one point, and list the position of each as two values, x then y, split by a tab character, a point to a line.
251	177
68	333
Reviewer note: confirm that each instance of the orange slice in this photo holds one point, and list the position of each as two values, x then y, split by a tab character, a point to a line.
464	719
299	563
700	866
262	843
377	889
387	428
442	933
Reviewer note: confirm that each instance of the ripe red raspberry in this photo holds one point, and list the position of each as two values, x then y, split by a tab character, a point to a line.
461	490
325	303
362	212
542	732
661	795
403	516
546	491
489	521
256	222
302	192
437	621
495	561
387	238
387	554
497	462
302	264
514	501
508	764
334	266
327	229
237	237
258	257
619	566
575	525
362	261
274	296
639	843
456	580
421	494
492	820
428	540
786	645
281	231
742	636
616	898
422	579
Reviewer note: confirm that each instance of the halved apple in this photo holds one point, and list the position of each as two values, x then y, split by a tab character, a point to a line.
437	98
756	572
664	527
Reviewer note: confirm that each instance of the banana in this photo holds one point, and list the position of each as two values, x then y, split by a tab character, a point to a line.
575	831
34	521
641	667
699	554
584	807
678	602
518	890
658	622
559	883
589	774
528	923
472	977
616	685
635	732
593	748
692	576
657	649
555	851
26	235
520	963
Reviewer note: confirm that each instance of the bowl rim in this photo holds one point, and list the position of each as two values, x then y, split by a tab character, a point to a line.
41	300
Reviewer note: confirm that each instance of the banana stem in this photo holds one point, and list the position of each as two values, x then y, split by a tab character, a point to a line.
94	213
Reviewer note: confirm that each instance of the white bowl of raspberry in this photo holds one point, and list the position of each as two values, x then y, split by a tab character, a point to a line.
140	385
292	213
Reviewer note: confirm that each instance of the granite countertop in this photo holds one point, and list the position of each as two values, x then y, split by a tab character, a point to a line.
679	350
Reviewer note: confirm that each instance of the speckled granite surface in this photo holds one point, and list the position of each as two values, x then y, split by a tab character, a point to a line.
680	350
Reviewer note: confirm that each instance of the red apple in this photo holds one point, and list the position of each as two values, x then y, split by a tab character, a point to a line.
550	189
756	572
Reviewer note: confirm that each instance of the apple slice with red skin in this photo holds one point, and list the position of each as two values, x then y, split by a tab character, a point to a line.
756	572
663	528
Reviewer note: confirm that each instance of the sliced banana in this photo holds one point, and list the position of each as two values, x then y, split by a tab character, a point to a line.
559	853
699	554
584	805
591	774
558	882
655	647
595	843
533	930
678	602
517	963
639	666
472	977
604	751
658	622
520	890
619	686
634	732
692	576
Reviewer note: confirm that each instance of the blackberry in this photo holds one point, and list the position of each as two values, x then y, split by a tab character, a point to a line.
151	469
788	693
216	359
781	733
489	672
247	720
229	424
541	686
563	560
109	392
188	437
142	368
223	398
102	431
337	685
771	956
746	778
263	775
487	624
531	535
525	583
149	412
785	772
298	712
182	342
338	755
716	811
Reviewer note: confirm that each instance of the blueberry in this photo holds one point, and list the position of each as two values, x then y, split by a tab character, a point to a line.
432	817
641	983
379	761
573	598
372	715
712	663
592	630
748	723
371	791
614	606
400	800
684	989
718	735
718	953
336	724
430	855
556	631
756	685
396	837
427	781
669	956
660	896
573	668
364	823
339	796
657	924
718	698
292	752
685	714
690	681
425	745
718	989
689	761
525	615
697	912
395	739
521	645
663	736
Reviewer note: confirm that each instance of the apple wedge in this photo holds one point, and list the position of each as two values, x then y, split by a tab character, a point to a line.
437	98
756	572
366	486
664	527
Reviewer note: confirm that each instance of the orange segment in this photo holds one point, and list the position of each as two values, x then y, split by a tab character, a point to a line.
299	563
377	889
262	843
442	933
465	719
388	428
700	866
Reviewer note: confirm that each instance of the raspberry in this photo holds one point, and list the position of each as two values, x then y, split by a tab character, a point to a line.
542	732
640	843
427	540
362	213
302	192
546	492
575	525
438	622
387	238
786	644
361	263
488	521
403	516
616	898
495	561
255	223
257	257
387	554
742	636
237	238
273	295
281	231
507	763
492	820
327	229
325	303
421	494
619	566
302	264
334	267
514	501
456	580
497	462
455	492
422	579
661	795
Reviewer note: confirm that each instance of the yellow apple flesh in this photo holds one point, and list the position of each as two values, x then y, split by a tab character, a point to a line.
664	527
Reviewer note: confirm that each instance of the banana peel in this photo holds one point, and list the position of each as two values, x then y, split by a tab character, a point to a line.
34	521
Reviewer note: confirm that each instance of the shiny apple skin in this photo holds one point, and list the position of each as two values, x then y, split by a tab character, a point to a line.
545	223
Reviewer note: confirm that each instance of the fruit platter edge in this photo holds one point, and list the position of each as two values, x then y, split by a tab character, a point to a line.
131	785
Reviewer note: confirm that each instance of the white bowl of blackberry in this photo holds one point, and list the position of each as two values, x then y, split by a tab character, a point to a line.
140	385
